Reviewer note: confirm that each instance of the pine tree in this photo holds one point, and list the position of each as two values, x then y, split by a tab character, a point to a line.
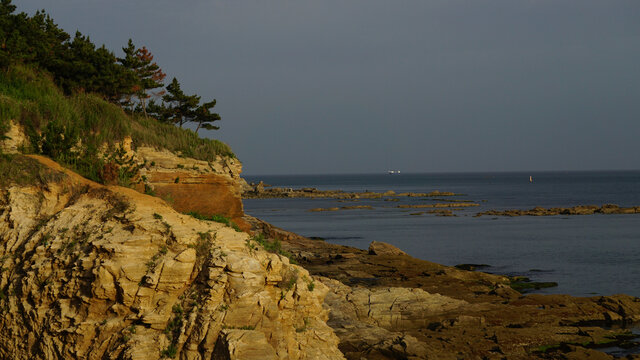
7	31
131	62
148	74
181	107
204	117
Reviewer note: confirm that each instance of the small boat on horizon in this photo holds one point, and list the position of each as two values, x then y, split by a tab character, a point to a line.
530	178
394	172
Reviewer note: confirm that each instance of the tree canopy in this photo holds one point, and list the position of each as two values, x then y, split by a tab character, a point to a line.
148	75
78	65
179	108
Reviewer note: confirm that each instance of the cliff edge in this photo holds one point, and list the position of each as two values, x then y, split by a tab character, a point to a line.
105	272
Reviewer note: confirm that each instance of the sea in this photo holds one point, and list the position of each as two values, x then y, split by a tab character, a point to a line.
586	255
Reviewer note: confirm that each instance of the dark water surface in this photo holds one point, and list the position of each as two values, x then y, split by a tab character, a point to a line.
586	255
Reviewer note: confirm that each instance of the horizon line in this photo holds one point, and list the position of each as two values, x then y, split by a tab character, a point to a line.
446	172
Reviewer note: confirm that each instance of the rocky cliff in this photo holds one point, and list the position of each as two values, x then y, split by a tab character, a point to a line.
188	185
105	272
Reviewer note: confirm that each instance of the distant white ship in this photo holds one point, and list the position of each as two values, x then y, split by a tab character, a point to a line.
394	172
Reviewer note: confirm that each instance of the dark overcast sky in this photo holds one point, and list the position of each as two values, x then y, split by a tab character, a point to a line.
360	86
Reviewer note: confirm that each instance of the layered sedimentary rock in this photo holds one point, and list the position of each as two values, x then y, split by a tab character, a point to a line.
99	272
190	185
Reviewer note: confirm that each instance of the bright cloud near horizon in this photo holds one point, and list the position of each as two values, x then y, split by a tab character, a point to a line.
363	86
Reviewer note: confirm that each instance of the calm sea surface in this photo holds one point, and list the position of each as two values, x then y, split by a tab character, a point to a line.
586	255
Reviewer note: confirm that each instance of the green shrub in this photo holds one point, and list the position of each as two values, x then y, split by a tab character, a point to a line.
274	246
171	351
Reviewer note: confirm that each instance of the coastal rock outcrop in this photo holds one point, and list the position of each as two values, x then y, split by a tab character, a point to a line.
180	180
260	191
104	272
380	248
575	210
389	305
190	185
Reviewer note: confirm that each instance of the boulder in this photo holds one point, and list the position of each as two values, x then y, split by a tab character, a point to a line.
381	248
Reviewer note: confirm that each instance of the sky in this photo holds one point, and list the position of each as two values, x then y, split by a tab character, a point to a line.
365	86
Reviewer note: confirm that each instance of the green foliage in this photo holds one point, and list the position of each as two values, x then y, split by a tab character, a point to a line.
179	108
148	75
79	67
54	124
55	86
304	327
173	330
205	118
203	245
171	351
149	190
217	218
250	245
184	141
289	281
274	246
128	170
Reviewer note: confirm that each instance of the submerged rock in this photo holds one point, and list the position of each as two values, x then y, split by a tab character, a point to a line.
576	210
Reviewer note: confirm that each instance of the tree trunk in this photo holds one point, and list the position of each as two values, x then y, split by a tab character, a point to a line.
144	107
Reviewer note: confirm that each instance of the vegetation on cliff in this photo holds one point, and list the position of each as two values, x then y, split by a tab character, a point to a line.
56	124
75	101
21	170
77	65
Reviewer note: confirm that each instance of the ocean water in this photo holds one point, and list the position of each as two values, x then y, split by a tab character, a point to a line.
586	255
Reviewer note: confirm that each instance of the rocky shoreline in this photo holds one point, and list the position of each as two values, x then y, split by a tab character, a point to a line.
575	210
105	272
262	191
385	304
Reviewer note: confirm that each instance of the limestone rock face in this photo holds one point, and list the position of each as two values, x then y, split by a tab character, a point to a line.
97	272
376	319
